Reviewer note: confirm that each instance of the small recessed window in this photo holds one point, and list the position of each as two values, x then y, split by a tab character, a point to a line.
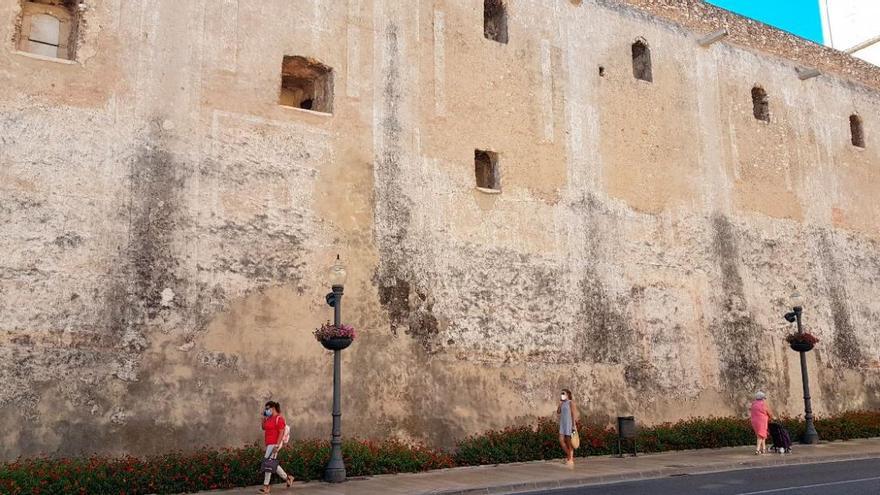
306	84
601	71
760	104
44	36
48	28
486	170
641	59
857	132
495	20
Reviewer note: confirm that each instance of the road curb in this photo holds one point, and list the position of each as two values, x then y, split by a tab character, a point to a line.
782	460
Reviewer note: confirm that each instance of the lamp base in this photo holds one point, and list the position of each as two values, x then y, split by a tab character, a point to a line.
334	475
810	438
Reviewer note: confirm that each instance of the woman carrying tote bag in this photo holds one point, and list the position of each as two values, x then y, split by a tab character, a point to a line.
276	434
568	436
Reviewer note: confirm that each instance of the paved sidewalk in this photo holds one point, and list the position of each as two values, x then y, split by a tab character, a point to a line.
527	476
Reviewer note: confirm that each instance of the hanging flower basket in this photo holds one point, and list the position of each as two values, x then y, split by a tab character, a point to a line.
336	343
801	342
801	346
335	338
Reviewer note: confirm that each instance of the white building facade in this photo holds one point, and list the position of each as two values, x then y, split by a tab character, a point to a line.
852	26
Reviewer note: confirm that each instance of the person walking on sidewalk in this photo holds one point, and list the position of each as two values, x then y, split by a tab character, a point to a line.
567	412
760	414
276	433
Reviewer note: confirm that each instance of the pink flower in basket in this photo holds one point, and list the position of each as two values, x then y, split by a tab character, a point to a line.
328	331
801	338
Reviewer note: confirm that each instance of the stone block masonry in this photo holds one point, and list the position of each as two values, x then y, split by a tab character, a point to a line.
171	199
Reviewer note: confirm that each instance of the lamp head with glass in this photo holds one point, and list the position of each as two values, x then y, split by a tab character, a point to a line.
337	273
796	301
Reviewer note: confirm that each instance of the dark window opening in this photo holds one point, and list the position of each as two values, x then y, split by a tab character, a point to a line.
857	132
486	170
760	104
307	84
495	20
601	71
641	58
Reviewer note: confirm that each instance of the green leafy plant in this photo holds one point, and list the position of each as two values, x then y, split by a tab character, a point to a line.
207	469
178	472
541	441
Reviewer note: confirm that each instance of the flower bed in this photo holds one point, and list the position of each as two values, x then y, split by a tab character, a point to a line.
529	443
212	469
208	470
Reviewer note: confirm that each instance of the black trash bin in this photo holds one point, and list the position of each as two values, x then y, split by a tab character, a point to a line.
626	430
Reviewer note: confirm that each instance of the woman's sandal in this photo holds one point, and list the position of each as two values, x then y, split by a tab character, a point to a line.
289	481
263	490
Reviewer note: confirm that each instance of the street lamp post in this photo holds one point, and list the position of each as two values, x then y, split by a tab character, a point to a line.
811	436
335	470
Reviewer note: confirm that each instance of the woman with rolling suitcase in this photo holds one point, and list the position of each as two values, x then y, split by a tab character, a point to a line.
781	438
760	416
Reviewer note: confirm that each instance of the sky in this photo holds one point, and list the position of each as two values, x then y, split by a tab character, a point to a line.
800	17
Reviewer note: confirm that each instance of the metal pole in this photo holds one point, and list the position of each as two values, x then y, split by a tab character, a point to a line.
810	434
335	470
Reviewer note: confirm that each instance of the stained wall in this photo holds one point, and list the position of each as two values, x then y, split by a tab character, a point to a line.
167	226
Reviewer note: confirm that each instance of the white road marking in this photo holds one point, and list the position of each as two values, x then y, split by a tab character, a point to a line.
777	490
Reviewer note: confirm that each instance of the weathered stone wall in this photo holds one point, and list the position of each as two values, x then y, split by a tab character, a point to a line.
167	226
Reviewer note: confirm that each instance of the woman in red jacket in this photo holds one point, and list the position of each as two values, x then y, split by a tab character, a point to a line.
273	425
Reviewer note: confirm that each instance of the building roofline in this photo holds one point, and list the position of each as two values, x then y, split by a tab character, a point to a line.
701	18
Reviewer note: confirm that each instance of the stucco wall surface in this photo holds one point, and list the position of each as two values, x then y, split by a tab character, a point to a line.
167	226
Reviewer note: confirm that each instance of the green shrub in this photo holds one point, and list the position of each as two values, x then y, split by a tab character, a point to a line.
541	441
696	433
848	425
179	472
206	469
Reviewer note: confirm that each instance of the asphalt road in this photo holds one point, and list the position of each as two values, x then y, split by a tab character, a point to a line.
832	478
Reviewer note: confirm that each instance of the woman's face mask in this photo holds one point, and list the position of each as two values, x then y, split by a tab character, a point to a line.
267	412
562	397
